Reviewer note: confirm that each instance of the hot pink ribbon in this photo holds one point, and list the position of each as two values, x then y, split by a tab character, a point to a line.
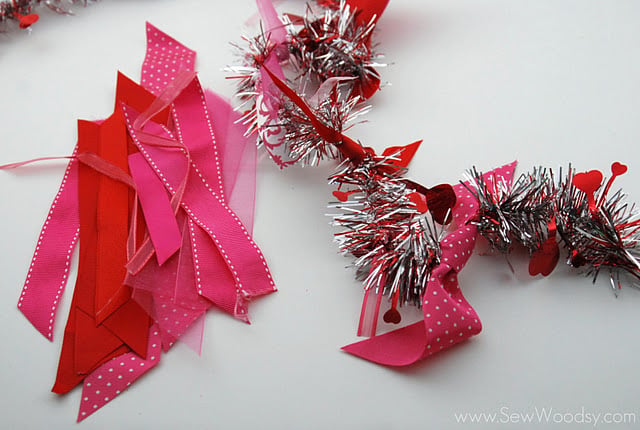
165	57
48	272
448	318
161	221
116	375
49	269
203	199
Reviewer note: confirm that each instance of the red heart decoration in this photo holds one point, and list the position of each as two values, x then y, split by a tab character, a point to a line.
588	182
392	316
440	200
618	169
341	195
27	20
419	201
545	259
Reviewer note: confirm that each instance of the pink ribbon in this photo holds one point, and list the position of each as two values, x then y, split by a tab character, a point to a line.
49	269
203	199
116	375
216	252
165	57
448	318
238	155
156	207
216	256
48	272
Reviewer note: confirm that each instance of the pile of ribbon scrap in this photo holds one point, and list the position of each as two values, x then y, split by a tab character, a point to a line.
160	196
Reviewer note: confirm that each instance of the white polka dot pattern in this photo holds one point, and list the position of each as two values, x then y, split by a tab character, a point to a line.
448	317
165	57
49	269
116	375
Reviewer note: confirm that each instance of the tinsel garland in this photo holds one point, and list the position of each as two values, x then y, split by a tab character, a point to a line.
391	226
302	84
599	229
23	12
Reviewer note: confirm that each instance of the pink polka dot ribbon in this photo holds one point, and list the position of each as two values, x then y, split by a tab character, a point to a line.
165	57
448	318
116	375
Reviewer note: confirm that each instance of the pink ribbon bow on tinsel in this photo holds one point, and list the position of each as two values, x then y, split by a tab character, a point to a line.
448	318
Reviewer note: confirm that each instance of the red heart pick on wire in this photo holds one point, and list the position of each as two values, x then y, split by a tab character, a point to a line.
440	200
618	169
588	181
25	21
392	316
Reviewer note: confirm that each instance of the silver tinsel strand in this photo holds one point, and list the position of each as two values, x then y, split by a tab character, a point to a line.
331	45
510	213
334	45
606	237
303	142
395	246
11	10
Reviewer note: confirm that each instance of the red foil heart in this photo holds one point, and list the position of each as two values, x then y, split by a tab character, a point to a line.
618	169
341	195
392	316
545	259
440	200
588	182
27	20
419	201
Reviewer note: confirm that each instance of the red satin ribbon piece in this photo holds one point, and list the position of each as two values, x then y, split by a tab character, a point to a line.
368	9
104	321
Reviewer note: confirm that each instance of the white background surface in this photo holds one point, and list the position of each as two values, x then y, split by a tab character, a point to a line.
483	82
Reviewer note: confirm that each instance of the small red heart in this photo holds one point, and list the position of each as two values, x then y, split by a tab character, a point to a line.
440	200
392	316
588	182
341	195
27	20
419	201
618	169
545	259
